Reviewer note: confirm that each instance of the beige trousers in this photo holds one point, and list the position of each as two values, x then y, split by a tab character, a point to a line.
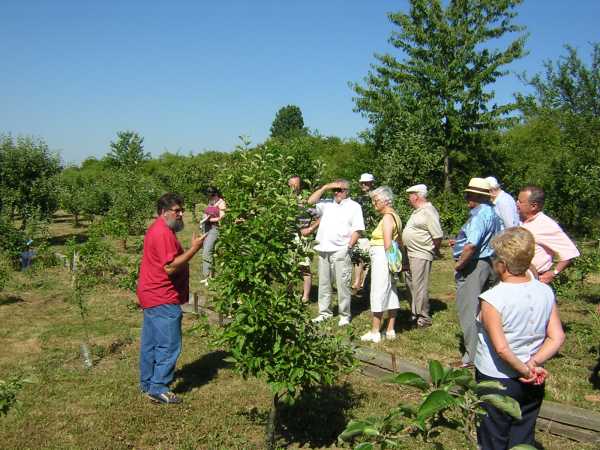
417	281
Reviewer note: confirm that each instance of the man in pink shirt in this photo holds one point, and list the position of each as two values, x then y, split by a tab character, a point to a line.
163	285
550	239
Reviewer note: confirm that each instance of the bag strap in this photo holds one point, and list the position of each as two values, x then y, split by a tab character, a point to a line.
398	235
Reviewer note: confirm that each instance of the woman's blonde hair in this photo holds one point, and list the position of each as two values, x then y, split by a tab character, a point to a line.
515	247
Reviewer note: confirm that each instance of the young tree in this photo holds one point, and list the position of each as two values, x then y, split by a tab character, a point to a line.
288	122
440	89
128	151
271	335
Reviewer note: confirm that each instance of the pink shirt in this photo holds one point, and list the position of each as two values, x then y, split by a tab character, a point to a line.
550	240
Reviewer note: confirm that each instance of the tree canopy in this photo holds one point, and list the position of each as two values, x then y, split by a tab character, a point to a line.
440	88
288	122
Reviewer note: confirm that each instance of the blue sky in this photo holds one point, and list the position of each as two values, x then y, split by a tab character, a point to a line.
193	76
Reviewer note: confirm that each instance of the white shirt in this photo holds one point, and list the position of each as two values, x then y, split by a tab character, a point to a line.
338	222
525	310
506	207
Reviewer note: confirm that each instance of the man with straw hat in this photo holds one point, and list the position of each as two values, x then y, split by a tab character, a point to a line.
472	252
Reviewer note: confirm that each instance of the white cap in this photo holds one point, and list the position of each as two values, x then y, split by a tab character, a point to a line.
366	178
418	188
493	182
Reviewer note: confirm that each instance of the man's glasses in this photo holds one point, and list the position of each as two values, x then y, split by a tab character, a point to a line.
177	210
340	190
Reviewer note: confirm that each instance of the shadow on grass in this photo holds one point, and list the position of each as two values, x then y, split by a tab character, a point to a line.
318	417
200	372
10	299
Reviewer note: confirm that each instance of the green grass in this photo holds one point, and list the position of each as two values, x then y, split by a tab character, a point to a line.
68	406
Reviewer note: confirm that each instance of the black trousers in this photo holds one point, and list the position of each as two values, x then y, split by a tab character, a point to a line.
499	431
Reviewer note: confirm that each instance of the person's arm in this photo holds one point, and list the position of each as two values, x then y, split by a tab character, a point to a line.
437	243
353	239
555	336
548	276
466	255
316	196
182	260
388	230
492	322
311	228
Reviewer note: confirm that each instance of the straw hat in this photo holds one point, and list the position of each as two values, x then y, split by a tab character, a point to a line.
478	186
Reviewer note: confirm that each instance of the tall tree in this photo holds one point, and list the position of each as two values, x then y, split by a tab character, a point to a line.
127	152
440	89
288	122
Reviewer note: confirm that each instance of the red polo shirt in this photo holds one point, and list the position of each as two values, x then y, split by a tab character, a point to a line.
155	287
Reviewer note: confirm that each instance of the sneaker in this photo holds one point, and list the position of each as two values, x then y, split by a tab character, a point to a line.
204	282
165	397
320	318
343	321
371	337
390	335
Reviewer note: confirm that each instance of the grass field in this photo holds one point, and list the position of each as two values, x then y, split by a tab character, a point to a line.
67	406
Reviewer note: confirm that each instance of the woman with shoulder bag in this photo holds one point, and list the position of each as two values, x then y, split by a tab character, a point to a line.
385	258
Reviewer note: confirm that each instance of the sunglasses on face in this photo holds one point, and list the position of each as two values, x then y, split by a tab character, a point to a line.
340	190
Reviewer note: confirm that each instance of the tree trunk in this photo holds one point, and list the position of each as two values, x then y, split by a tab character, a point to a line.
272	424
447	185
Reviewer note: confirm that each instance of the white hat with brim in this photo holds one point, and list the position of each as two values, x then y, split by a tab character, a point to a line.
420	188
479	186
366	178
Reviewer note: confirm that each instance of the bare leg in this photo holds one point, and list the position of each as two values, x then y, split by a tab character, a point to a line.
376	326
392	320
307	277
359	276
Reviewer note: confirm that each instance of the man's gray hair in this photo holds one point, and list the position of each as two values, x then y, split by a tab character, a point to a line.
343	180
421	194
384	193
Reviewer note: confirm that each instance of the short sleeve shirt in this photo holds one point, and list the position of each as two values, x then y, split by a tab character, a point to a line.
155	287
422	228
483	224
525	310
550	241
338	222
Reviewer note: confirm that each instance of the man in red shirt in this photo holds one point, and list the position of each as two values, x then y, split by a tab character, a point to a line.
163	285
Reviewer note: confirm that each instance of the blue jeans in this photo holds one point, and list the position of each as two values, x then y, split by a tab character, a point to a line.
160	347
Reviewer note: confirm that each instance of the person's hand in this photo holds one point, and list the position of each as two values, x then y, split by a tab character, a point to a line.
547	277
197	241
451	242
537	374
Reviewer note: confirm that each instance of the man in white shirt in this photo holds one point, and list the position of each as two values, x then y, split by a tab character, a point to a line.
340	227
504	205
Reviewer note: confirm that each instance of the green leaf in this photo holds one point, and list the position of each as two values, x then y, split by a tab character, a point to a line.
491	385
436	371
364	446
354	428
435	402
411	379
504	403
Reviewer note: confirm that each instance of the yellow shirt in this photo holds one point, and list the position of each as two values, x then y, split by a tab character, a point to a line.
377	235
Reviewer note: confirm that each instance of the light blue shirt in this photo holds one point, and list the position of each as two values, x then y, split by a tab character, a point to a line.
483	224
525	310
506	207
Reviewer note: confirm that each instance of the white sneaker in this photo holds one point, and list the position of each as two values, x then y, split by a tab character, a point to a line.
390	335
320	318
371	337
343	321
